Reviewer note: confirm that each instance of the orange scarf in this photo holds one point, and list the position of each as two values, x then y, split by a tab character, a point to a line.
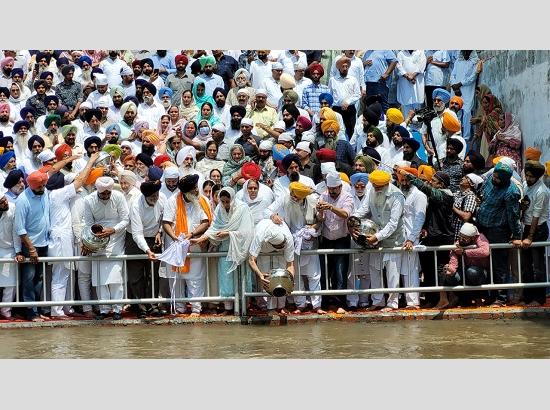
182	227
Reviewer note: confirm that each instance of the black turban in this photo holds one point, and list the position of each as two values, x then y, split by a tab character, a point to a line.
371	152
55	181
238	108
477	160
411	142
151	87
40	55
377	98
371	116
219	89
188	183
289	159
141	82
535	168
5	91
292	110
133	99
4	141
147	61
92	140
93	113
17	126
26	110
33	139
46	74
13	178
148	188
50	98
456	144
145	159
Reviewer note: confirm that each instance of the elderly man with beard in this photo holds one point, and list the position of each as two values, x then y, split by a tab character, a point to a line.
345	155
414	215
292	166
107	208
535	218
128	112
32	225
384	206
15	184
333	209
145	236
263	116
170	178
150	110
297	211
248	140
187	214
180	81
272	85
127	82
346	92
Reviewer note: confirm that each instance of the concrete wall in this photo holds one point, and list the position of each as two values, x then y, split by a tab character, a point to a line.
521	81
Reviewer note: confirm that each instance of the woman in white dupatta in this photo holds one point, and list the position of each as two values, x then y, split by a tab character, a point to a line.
257	196
232	230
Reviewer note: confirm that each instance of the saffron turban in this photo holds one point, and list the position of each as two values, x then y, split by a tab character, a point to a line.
130	159
425	172
61	150
330	125
395	115
532	154
450	122
457	100
103	184
344	177
379	178
94	174
299	190
37	179
151	136
251	170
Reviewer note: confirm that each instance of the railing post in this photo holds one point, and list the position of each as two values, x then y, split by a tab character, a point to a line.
243	307
236	297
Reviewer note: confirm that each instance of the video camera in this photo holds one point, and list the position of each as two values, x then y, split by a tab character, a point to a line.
425	115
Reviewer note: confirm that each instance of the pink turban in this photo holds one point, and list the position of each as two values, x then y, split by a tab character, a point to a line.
6	61
103	184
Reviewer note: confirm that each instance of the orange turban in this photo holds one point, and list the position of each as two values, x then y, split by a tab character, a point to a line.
457	100
330	125
410	170
547	163
496	159
94	174
299	190
37	179
62	149
379	178
532	154
450	122
425	172
129	158
151	136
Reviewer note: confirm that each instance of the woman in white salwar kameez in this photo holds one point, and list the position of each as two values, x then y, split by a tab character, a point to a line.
108	208
257	196
10	242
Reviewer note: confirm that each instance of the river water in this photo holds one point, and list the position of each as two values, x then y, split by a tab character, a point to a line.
335	340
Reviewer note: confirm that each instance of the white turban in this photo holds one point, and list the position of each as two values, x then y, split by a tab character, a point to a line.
219	127
469	229
300	65
304	146
507	161
46	155
126	70
333	179
243	91
129	145
171	172
275	234
103	184
183	153
276	66
129	176
403	164
125	107
261	91
286	137
247	121
101	79
266	145
86	104
327	167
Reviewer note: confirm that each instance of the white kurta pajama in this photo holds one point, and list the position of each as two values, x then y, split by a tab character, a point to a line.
410	95
194	280
107	276
61	243
10	242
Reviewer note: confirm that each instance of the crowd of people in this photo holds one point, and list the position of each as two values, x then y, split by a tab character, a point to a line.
262	154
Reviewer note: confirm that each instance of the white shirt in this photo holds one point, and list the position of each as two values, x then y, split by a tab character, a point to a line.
195	214
407	92
273	90
260	245
8	237
111	68
94	97
344	90
435	75
539	196
210	83
414	213
151	113
259	72
60	210
145	220
356	70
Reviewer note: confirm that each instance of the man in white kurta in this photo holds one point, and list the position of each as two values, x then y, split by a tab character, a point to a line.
292	165
385	208
414	214
270	237
410	85
108	208
10	243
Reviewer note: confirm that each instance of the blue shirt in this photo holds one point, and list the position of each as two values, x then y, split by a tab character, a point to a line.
168	62
310	96
381	59
500	208
32	216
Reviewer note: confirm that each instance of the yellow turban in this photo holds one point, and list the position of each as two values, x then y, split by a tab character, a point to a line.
379	178
299	190
425	172
532	154
547	163
450	122
496	159
151	136
330	125
395	116
328	114
344	177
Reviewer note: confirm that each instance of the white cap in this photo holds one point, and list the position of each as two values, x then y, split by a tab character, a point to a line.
46	155
333	179
243	91
101	79
280	125
328	167
266	145
219	127
403	164
508	161
286	137
86	104
276	66
308	136
469	229
126	70
69	178
261	91
300	65
304	146
170	173
247	121
103	101
475	179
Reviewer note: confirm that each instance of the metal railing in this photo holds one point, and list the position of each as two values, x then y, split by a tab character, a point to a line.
240	297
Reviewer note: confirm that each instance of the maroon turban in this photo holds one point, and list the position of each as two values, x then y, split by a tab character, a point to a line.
326	155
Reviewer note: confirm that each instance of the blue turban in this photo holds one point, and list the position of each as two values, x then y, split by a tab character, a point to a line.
402	131
289	159
359	177
155	173
279	152
45	74
83	59
4	158
24	111
17	126
111	127
166	90
443	94
15	71
49	98
221	90
327	97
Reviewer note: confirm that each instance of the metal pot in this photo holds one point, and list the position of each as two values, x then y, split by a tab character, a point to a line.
281	282
366	227
103	160
91	241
